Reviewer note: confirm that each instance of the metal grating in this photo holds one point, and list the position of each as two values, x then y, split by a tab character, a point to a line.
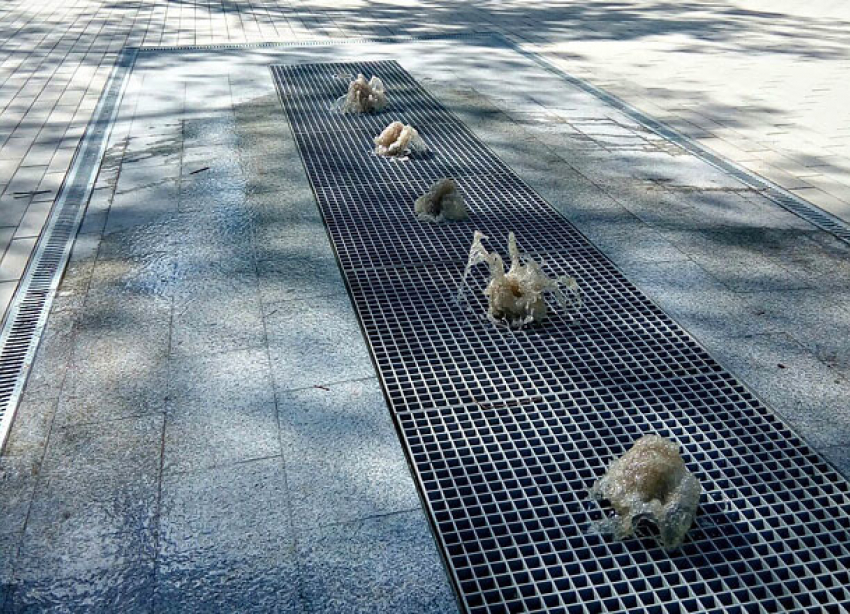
30	306
382	229
506	430
431	353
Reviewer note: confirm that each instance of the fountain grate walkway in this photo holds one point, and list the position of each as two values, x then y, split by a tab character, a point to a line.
507	430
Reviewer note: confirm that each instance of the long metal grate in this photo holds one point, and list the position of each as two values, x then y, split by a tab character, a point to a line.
507	430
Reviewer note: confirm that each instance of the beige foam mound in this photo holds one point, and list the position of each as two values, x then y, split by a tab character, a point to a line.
441	202
650	482
363	96
399	141
518	297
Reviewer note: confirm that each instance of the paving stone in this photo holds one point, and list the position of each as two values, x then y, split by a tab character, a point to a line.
631	244
221	409
89	537
7	292
274	214
105	585
344	461
118	364
34	219
134	177
16	258
75	519
18	477
142	206
8	556
128	449
217	314
704	307
47	373
161	160
383	564
210	183
150	158
6	234
735	257
816	257
818	318
297	263
78	272
226	541
150	277
106	382
26	441
265	147
140	241
216	241
315	341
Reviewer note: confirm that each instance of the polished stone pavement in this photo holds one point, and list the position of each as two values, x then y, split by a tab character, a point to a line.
203	429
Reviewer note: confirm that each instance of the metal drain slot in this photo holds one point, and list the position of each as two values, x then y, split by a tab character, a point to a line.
506	430
30	306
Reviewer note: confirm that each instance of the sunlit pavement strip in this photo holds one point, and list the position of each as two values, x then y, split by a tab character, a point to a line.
176	447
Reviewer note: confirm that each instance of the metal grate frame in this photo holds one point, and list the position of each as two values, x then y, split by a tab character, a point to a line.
506	430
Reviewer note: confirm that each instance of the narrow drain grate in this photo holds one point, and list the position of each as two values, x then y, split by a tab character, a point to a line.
382	229
507	430
28	311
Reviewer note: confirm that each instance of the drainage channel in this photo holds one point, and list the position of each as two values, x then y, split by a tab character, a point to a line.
30	307
507	430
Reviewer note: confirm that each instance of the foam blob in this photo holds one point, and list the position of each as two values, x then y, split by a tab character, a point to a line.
649	482
363	96
399	141
441	202
517	297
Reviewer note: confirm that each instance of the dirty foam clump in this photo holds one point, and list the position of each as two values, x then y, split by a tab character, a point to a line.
363	96
398	141
517	297
650	482
441	202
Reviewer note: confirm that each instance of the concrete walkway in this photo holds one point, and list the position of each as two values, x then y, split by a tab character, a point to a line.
763	83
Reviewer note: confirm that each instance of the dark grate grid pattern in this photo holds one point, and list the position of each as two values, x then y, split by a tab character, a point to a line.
373	234
431	353
506	430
